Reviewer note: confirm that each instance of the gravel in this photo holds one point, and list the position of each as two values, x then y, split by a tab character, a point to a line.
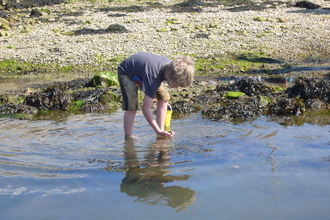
79	33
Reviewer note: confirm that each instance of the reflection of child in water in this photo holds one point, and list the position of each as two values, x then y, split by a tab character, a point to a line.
147	184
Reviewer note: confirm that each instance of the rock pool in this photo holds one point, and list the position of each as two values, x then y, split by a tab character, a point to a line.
79	167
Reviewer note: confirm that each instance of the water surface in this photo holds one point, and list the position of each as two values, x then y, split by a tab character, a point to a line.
74	167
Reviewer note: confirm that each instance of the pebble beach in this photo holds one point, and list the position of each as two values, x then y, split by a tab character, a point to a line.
80	33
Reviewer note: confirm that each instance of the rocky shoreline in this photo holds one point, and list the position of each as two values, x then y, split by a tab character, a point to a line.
242	100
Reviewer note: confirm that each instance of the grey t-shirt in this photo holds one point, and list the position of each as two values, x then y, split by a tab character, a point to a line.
145	69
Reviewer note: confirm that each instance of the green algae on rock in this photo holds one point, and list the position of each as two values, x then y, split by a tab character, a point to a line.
234	95
105	79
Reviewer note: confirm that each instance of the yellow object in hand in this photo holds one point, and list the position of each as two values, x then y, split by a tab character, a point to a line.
168	119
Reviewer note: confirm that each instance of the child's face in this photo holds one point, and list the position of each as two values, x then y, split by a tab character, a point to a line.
173	84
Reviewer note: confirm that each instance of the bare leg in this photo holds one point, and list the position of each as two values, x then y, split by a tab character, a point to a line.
129	118
161	113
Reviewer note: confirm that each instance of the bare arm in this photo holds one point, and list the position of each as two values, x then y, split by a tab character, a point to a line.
146	109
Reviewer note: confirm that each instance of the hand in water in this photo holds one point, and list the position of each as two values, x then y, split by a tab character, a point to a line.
166	133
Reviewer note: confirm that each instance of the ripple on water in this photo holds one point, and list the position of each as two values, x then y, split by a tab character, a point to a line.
46	148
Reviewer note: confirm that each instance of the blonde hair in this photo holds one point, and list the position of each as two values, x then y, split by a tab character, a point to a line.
181	71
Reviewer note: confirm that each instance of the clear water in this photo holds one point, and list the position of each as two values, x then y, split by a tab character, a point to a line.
71	167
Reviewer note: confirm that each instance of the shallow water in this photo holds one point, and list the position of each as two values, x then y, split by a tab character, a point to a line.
71	167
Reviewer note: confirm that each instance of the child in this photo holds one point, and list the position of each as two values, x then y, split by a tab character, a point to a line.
147	71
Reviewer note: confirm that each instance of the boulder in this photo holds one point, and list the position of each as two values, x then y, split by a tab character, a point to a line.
105	79
307	5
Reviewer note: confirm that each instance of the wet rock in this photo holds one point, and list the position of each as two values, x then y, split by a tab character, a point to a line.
105	79
75	84
110	96
4	98
89	107
314	104
235	109
248	86
97	98
17	109
92	96
72	95
51	98
265	100
259	99
183	107
26	109
306	88
286	106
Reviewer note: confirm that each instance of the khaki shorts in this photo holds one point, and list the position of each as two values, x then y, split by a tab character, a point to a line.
129	90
